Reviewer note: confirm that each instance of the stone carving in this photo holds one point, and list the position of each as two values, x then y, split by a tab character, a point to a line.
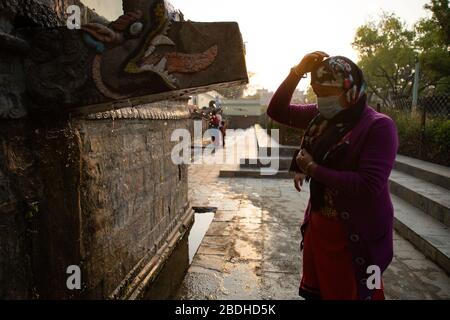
11	106
148	53
59	66
39	12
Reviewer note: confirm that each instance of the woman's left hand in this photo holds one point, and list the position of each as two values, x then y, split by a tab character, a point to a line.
305	161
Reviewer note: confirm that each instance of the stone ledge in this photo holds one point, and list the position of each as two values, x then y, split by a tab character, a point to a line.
255	173
154	111
430	172
265	162
429	198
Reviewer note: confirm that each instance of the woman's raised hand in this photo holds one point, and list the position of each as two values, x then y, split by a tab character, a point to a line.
309	61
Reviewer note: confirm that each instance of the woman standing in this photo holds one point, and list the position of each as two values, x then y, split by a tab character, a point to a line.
347	154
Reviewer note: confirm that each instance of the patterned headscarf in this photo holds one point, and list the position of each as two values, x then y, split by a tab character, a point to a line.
340	72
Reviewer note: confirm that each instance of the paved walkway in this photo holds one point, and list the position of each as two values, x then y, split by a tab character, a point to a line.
251	250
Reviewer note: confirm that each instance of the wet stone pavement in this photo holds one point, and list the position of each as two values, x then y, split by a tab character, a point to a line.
251	249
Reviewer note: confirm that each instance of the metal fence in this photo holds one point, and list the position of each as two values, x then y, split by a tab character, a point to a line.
423	130
433	106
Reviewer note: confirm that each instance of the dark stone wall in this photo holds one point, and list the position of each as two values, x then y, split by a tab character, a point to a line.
132	195
19	192
100	194
29	214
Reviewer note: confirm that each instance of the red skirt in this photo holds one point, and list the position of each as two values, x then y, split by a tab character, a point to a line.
327	262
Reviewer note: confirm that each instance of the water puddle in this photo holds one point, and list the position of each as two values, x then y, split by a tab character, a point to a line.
203	218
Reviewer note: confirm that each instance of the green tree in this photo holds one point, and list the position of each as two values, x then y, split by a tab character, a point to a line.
433	43
388	50
441	17
386	55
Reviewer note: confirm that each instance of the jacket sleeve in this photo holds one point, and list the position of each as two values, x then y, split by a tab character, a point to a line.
375	164
280	109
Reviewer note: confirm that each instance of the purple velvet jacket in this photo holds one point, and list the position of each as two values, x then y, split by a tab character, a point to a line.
363	199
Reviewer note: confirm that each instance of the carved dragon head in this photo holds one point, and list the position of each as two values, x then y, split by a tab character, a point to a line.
143	32
147	51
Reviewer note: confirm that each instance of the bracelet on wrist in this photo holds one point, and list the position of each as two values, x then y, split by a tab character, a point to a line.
308	166
294	69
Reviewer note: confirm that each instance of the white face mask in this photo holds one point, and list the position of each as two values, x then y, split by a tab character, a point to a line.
329	107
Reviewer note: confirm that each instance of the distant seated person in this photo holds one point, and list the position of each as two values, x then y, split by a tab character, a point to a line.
219	116
214	124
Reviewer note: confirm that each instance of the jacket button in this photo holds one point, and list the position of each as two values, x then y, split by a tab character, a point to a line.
369	298
354	238
345	215
360	261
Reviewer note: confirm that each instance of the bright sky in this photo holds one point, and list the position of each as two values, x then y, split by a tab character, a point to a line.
279	34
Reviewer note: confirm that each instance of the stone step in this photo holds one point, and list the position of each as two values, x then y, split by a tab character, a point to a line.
430	172
281	151
430	236
429	198
256	173
266	162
